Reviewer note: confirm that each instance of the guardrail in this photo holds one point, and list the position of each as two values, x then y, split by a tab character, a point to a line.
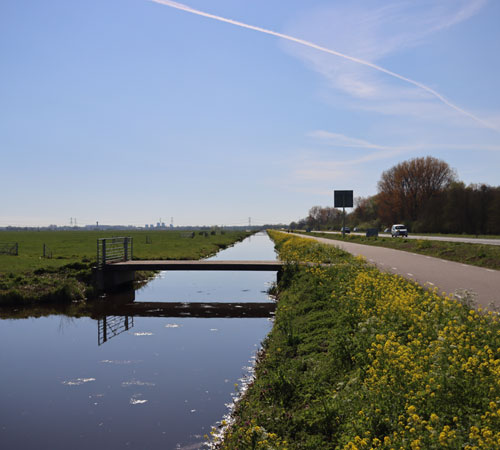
115	249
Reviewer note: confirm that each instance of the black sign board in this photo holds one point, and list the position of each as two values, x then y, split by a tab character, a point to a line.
343	199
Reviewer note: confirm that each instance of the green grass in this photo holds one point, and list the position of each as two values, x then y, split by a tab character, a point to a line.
481	255
361	359
66	276
468	236
77	246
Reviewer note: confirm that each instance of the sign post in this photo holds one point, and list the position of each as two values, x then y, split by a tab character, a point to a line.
343	199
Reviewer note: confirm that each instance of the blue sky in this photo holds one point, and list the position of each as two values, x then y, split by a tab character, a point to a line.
125	111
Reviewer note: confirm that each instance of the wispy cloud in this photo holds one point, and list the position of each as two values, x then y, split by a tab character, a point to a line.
375	30
343	141
347	160
320	168
350	160
349	81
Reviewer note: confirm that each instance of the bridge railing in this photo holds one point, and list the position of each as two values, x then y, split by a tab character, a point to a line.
115	249
111	326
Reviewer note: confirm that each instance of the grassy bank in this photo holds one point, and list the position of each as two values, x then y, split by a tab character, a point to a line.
462	235
360	359
65	273
487	256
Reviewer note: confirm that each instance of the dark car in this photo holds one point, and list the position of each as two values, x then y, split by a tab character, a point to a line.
345	230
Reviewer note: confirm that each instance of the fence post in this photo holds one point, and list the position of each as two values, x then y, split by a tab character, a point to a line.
44	250
125	248
103	252
17	249
131	248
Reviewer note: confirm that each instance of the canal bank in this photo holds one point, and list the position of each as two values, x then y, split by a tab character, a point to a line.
362	359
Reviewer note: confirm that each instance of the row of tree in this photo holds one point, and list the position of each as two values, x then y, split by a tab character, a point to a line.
424	194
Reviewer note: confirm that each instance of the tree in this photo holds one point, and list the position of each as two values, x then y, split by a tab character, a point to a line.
365	212
323	218
494	213
455	209
404	189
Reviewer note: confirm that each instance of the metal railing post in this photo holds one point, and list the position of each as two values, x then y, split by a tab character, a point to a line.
104	330
103	252
125	249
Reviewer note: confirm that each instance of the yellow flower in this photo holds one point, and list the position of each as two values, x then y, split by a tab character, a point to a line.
411	409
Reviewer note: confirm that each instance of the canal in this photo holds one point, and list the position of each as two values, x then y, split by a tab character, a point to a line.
119	382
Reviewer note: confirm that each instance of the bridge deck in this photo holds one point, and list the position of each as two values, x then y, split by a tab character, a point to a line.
270	266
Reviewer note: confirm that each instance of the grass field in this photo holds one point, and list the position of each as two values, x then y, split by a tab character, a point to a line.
361	359
487	256
65	275
81	246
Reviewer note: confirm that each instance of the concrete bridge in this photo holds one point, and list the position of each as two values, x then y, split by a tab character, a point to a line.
115	267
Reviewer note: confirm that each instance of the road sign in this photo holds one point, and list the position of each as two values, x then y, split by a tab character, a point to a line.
343	199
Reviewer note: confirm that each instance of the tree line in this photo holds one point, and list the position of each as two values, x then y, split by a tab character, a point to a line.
425	195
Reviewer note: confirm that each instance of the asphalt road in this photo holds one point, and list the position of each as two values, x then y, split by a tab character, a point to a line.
449	277
433	238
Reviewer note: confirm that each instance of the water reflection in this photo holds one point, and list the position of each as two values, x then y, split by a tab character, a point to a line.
124	305
214	286
121	318
161	383
110	326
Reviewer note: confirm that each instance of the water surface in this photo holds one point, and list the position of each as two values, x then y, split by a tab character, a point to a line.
152	383
201	286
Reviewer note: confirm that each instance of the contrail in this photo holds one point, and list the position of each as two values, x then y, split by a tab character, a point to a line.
330	51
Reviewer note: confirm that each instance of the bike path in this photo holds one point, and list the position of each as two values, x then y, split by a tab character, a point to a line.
448	276
480	241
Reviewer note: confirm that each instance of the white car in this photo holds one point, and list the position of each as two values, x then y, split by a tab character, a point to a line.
399	230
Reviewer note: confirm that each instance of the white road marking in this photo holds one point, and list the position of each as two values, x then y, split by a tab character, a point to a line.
428	282
410	274
394	268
